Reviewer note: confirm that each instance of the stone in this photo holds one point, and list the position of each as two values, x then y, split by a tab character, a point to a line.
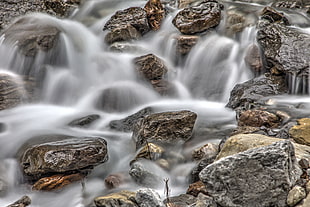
84	122
205	201
56	182
113	181
253	59
194	176
209	150
305	202
61	156
199	18
123	198
258	118
235	21
23	202
134	16
295	195
289	4
195	188
126	124
155	13
150	151
185	43
257	177
148	198
301	132
183	200
122	33
166	127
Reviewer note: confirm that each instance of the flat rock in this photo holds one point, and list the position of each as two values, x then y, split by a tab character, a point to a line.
119	199
258	177
258	118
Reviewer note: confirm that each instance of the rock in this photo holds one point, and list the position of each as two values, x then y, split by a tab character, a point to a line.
56	182
185	3
165	127
126	124
66	155
123	198
113	181
305	202
235	21
301	132
258	177
61	8
134	16
209	150
204	201
253	60
185	43
122	33
155	13
289	4
85	121
248	95
150	151
258	118
183	200
23	202
195	188
200	18
12	91
295	195
148	198
194	176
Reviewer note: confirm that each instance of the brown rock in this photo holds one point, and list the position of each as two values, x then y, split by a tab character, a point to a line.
196	188
155	13
122	198
56	182
208	150
301	132
253	59
113	181
258	118
23	202
185	43
122	33
150	152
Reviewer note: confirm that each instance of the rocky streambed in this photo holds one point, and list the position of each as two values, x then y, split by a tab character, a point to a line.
155	103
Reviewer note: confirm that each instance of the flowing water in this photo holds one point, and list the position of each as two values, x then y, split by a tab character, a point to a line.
84	67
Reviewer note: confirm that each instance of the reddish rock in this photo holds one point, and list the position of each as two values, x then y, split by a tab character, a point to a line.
196	188
258	118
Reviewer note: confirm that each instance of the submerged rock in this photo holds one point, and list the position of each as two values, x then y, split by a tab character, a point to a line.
85	121
165	127
150	151
253	59
120	199
199	18
23	202
258	177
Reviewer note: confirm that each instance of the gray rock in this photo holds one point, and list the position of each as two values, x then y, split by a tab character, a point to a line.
148	198
258	177
204	201
183	200
62	156
85	121
122	33
295	195
23	202
166	127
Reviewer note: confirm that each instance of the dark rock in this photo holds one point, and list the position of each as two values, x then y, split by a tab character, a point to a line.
135	16
254	60
122	33
155	13
72	154
258	177
200	18
165	127
258	118
85	121
183	200
205	201
163	87
195	188
56	182
185	43
148	198
23	202
126	124
194	176
119	199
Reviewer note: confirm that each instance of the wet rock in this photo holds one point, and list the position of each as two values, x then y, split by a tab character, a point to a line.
258	177
165	127
200	18
235	22
56	182
209	150
150	151
163	87
205	201
295	195
12	91
85	121
183	200
148	198
126	124
194	176
134	16
185	3
185	43
155	13
195	188
23	202
113	181
258	118
289	4
66	155
126	47
253	60
301	132
122	33
120	199
248	95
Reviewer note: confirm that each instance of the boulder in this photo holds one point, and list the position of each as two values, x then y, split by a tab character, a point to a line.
56	182
296	195
195	188
148	198
155	13
166	127
85	121
258	118
23	202
122	33
203	163
123	198
134	16
198	18
301	132
63	156
257	177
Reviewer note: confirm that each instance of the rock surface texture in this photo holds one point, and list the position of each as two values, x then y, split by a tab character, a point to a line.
301	132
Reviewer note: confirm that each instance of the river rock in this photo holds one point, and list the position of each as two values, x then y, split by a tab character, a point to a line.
258	118
114	180
85	121
253	59
148	198
61	156
123	198
122	33
56	182
199	18
185	43
194	176
301	132
289	4
150	151
183	200
23	202
195	188
166	127
209	150
134	16
295	195
258	177
155	13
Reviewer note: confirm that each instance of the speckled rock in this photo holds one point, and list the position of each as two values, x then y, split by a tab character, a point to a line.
295	195
258	118
23	202
148	198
